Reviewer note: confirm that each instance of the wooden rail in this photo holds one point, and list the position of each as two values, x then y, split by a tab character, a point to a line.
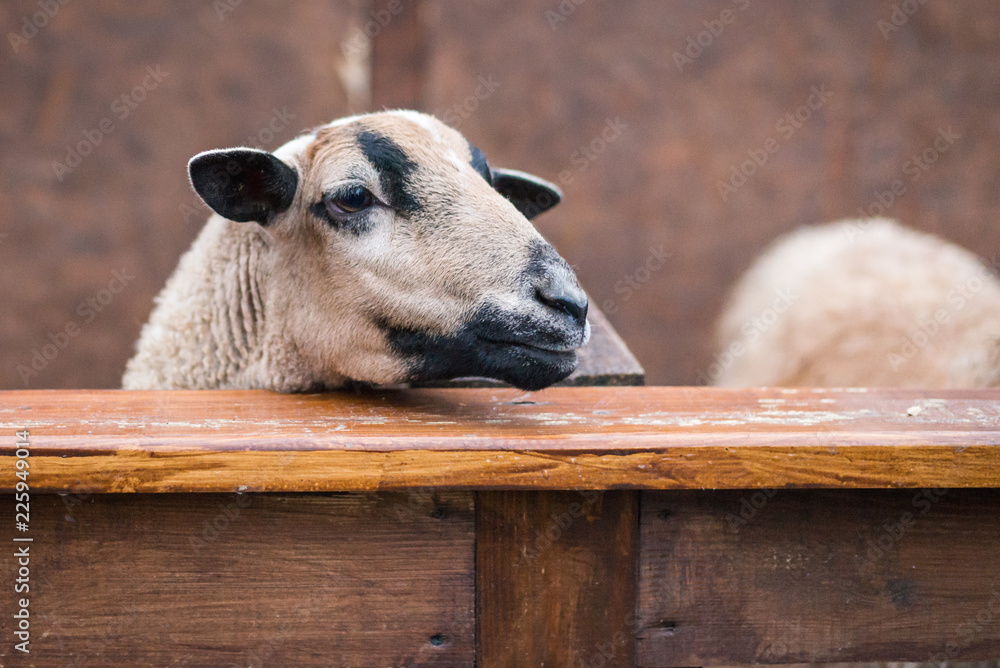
579	526
562	438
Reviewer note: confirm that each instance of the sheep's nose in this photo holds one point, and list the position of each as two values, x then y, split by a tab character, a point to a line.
562	293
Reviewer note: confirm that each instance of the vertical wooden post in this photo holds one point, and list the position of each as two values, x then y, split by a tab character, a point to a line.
556	578
399	55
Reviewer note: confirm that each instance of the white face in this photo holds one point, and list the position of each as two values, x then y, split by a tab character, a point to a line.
399	260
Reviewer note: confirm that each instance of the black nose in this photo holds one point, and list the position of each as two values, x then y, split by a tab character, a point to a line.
563	294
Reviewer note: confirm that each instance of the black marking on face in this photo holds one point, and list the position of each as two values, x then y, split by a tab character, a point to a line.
479	163
518	350
554	284
394	168
540	255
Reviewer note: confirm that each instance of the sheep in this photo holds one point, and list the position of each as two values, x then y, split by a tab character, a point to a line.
861	303
377	249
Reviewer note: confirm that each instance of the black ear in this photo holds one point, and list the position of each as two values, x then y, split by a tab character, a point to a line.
243	184
530	194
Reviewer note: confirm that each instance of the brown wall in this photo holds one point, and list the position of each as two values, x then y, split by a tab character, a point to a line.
656	183
553	86
127	206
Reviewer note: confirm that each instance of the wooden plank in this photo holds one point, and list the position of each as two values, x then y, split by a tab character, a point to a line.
303	580
399	54
819	576
556	578
561	438
605	360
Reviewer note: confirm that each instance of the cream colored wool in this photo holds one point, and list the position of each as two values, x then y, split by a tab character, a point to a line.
861	303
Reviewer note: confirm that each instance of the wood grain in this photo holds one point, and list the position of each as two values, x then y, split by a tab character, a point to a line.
251	580
794	576
556	571
399	53
561	438
556	577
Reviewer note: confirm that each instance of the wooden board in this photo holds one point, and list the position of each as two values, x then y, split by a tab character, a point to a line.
605	360
819	576
561	438
556	575
398	53
251	580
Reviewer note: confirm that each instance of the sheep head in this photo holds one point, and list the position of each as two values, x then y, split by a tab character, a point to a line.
396	253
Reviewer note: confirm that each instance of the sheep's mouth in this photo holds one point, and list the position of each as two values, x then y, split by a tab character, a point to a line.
525	365
535	348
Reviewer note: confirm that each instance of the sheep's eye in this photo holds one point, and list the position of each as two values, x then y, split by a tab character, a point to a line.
352	200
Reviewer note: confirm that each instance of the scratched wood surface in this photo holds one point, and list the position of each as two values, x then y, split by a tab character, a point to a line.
248	580
794	576
561	438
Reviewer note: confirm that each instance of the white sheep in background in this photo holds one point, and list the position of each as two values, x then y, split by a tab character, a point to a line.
378	248
862	303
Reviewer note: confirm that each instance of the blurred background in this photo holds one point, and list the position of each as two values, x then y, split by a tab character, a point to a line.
685	134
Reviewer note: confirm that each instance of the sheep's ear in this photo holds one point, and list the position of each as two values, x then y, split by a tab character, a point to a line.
243	184
530	194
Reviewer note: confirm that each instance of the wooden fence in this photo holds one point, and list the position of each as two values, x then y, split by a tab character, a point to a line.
583	526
